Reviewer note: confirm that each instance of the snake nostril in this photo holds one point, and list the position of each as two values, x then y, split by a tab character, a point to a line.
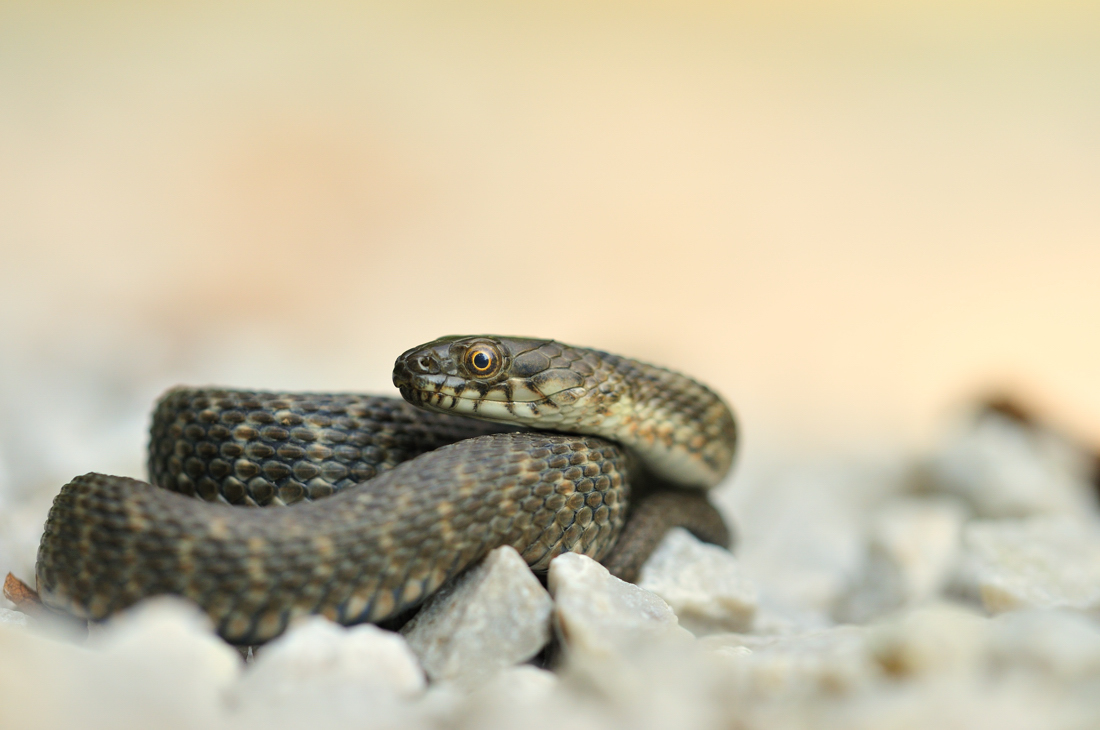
426	364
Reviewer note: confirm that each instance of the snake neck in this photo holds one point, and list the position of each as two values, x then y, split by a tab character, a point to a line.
680	429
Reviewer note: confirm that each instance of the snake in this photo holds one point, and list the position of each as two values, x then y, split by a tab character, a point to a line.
372	504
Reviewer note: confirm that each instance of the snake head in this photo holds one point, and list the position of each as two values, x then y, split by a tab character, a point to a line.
507	379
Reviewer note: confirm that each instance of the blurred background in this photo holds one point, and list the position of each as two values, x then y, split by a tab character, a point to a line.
849	217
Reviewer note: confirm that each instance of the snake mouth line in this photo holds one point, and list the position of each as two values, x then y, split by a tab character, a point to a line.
435	397
426	393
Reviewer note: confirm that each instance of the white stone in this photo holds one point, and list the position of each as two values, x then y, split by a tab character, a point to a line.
316	651
169	631
528	698
1061	644
13	618
944	640
506	699
156	666
774	618
156	663
494	616
945	703
1004	469
43	682
912	549
801	530
523	682
652	685
1036	563
702	583
832	661
360	677
599	614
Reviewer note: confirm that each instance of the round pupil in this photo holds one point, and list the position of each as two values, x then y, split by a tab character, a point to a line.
482	361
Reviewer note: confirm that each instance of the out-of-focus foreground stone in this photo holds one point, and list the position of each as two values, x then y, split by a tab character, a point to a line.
830	661
1036	563
12	618
158	665
316	650
319	668
494	616
937	641
1062	646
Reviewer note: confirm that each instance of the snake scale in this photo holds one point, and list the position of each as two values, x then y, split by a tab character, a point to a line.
386	501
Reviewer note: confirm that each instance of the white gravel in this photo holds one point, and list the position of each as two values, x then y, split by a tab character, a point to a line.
959	589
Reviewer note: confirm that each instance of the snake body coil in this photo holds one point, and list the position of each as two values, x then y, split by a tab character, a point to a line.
404	510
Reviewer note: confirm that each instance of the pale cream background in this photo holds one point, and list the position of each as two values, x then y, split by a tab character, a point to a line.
848	216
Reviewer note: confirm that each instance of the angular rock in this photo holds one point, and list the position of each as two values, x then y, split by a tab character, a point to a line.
912	550
322	674
13	619
529	698
157	665
652	684
163	628
774	618
596	613
1036	563
801	530
494	616
157	660
974	704
1063	645
519	696
316	654
702	583
40	681
944	640
523	682
1003	469
834	661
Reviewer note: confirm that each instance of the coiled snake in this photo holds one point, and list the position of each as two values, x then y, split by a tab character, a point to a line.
411	497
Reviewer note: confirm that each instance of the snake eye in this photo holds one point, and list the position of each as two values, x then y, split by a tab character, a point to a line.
483	361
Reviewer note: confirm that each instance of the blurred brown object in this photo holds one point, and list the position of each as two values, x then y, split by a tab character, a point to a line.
22	595
1013	408
1010	407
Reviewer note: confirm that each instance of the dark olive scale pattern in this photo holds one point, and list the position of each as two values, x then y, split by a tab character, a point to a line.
258	449
110	541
